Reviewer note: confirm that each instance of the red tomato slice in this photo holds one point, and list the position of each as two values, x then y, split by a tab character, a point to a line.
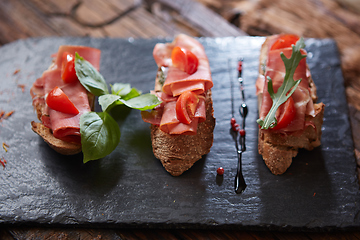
178	58
59	101
68	73
192	62
185	60
285	114
285	41
186	106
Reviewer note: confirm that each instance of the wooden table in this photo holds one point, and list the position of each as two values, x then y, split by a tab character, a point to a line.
210	18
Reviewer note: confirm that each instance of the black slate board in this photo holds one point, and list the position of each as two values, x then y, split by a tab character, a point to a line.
129	188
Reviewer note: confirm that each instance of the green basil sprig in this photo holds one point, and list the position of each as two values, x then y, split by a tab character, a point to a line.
288	86
100	133
89	77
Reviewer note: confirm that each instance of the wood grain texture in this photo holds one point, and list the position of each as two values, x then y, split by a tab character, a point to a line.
127	18
161	234
200	17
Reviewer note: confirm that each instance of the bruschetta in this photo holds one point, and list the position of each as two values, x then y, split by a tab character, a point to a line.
182	126
297	123
59	100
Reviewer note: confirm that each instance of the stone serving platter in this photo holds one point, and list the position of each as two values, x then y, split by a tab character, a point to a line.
130	188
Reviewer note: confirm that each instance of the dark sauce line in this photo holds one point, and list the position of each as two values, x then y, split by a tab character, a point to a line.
243	110
240	184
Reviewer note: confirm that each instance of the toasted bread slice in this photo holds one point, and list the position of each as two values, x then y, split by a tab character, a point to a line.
278	149
178	153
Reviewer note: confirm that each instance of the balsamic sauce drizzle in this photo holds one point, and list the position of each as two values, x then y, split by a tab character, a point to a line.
235	129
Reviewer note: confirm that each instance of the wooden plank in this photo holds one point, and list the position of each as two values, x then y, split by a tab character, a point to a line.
141	23
54	6
109	19
93	13
204	20
18	21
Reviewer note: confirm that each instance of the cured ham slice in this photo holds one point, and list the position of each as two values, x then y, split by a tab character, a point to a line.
176	79
275	69
178	82
64	126
91	55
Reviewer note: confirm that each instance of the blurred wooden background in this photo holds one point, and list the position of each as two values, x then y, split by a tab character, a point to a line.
337	19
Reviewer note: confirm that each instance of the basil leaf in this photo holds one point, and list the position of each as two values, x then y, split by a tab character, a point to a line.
125	91
89	77
100	135
143	102
133	93
121	89
107	100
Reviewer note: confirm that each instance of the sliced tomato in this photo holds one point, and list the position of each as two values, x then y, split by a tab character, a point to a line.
285	41
68	73
186	106
178	58
192	62
185	60
285	114
59	101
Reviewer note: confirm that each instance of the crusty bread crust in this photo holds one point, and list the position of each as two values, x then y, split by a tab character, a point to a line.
278	149
178	153
58	145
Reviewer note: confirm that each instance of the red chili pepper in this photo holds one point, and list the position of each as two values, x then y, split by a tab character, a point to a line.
5	146
4	115
8	114
3	162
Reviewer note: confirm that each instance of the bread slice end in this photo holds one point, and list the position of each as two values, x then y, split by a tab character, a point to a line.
178	153
277	149
58	145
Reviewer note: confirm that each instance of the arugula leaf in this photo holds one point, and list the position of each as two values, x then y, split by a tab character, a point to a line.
100	135
89	77
288	86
